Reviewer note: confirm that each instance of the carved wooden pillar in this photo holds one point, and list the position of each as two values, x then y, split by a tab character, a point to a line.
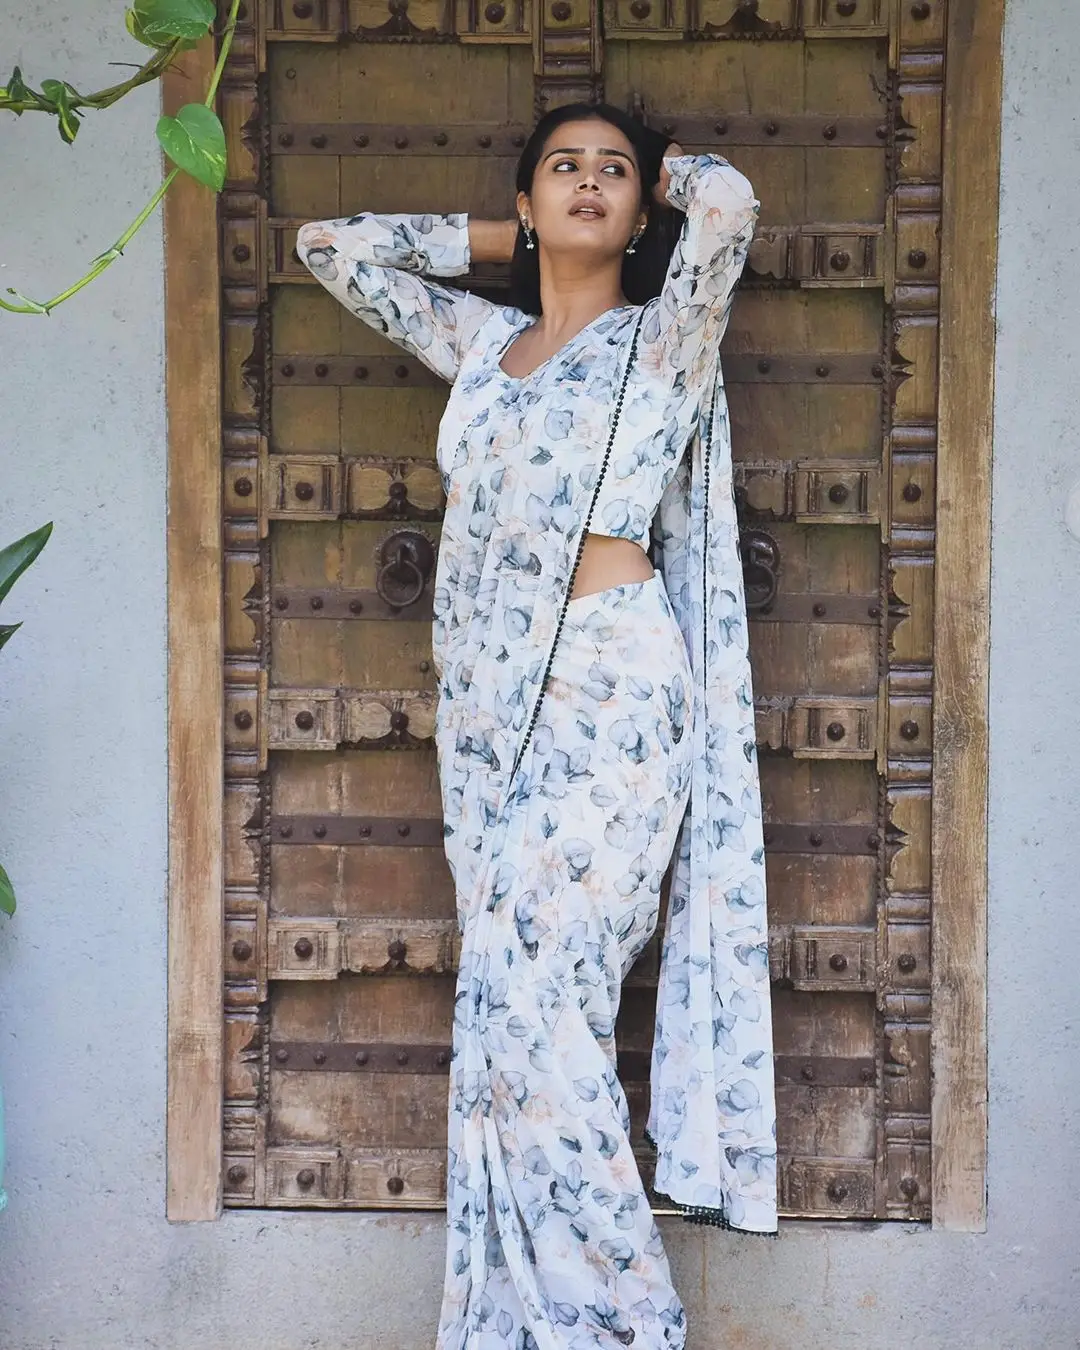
245	425
916	61
568	53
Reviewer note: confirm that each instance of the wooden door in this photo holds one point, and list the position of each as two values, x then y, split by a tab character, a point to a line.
340	940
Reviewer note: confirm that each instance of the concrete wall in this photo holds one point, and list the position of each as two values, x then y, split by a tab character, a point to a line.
87	1260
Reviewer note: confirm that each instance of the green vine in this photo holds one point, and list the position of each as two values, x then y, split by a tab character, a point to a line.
194	139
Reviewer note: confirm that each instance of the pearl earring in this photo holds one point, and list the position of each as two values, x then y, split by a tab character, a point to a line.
632	246
529	243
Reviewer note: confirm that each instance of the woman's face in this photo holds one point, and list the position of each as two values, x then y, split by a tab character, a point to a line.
586	191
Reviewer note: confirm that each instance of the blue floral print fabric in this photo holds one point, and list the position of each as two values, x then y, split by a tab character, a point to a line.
543	893
551	1239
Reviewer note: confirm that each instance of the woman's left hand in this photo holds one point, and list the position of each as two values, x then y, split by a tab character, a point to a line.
661	189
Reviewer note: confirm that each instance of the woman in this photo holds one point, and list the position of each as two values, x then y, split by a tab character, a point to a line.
593	714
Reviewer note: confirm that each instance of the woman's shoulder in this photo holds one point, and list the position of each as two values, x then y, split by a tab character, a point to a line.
489	321
486	328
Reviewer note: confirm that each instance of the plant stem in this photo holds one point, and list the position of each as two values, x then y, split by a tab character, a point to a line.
223	54
27	306
105	98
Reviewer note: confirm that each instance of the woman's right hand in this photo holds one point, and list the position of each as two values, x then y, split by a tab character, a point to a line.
661	190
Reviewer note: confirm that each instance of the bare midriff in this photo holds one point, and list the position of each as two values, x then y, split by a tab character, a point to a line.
606	561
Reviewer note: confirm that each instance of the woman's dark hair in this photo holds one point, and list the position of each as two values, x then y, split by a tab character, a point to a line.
643	271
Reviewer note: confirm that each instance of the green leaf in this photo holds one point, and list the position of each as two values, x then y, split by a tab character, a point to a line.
6	631
18	92
16	87
160	21
60	95
7	893
195	141
134	27
17	557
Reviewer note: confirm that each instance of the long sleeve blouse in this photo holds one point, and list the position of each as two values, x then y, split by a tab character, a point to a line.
519	459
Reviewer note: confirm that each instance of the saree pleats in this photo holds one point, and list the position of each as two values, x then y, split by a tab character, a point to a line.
551	1234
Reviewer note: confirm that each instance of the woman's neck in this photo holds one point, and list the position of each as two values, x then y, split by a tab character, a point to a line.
573	296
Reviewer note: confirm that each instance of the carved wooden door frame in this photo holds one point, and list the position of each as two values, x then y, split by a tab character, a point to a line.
971	111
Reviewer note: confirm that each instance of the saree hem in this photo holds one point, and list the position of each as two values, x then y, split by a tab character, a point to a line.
703	1214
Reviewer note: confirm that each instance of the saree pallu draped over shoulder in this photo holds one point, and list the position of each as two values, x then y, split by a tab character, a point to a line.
572	770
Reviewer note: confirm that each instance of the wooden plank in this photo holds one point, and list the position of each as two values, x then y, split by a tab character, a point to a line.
961	609
195	682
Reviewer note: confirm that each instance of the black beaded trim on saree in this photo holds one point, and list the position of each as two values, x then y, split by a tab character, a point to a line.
701	1214
581	547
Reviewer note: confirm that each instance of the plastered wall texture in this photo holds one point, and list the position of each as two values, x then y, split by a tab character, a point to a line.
87	1259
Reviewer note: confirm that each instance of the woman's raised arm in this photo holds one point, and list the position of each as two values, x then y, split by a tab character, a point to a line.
377	266
694	305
